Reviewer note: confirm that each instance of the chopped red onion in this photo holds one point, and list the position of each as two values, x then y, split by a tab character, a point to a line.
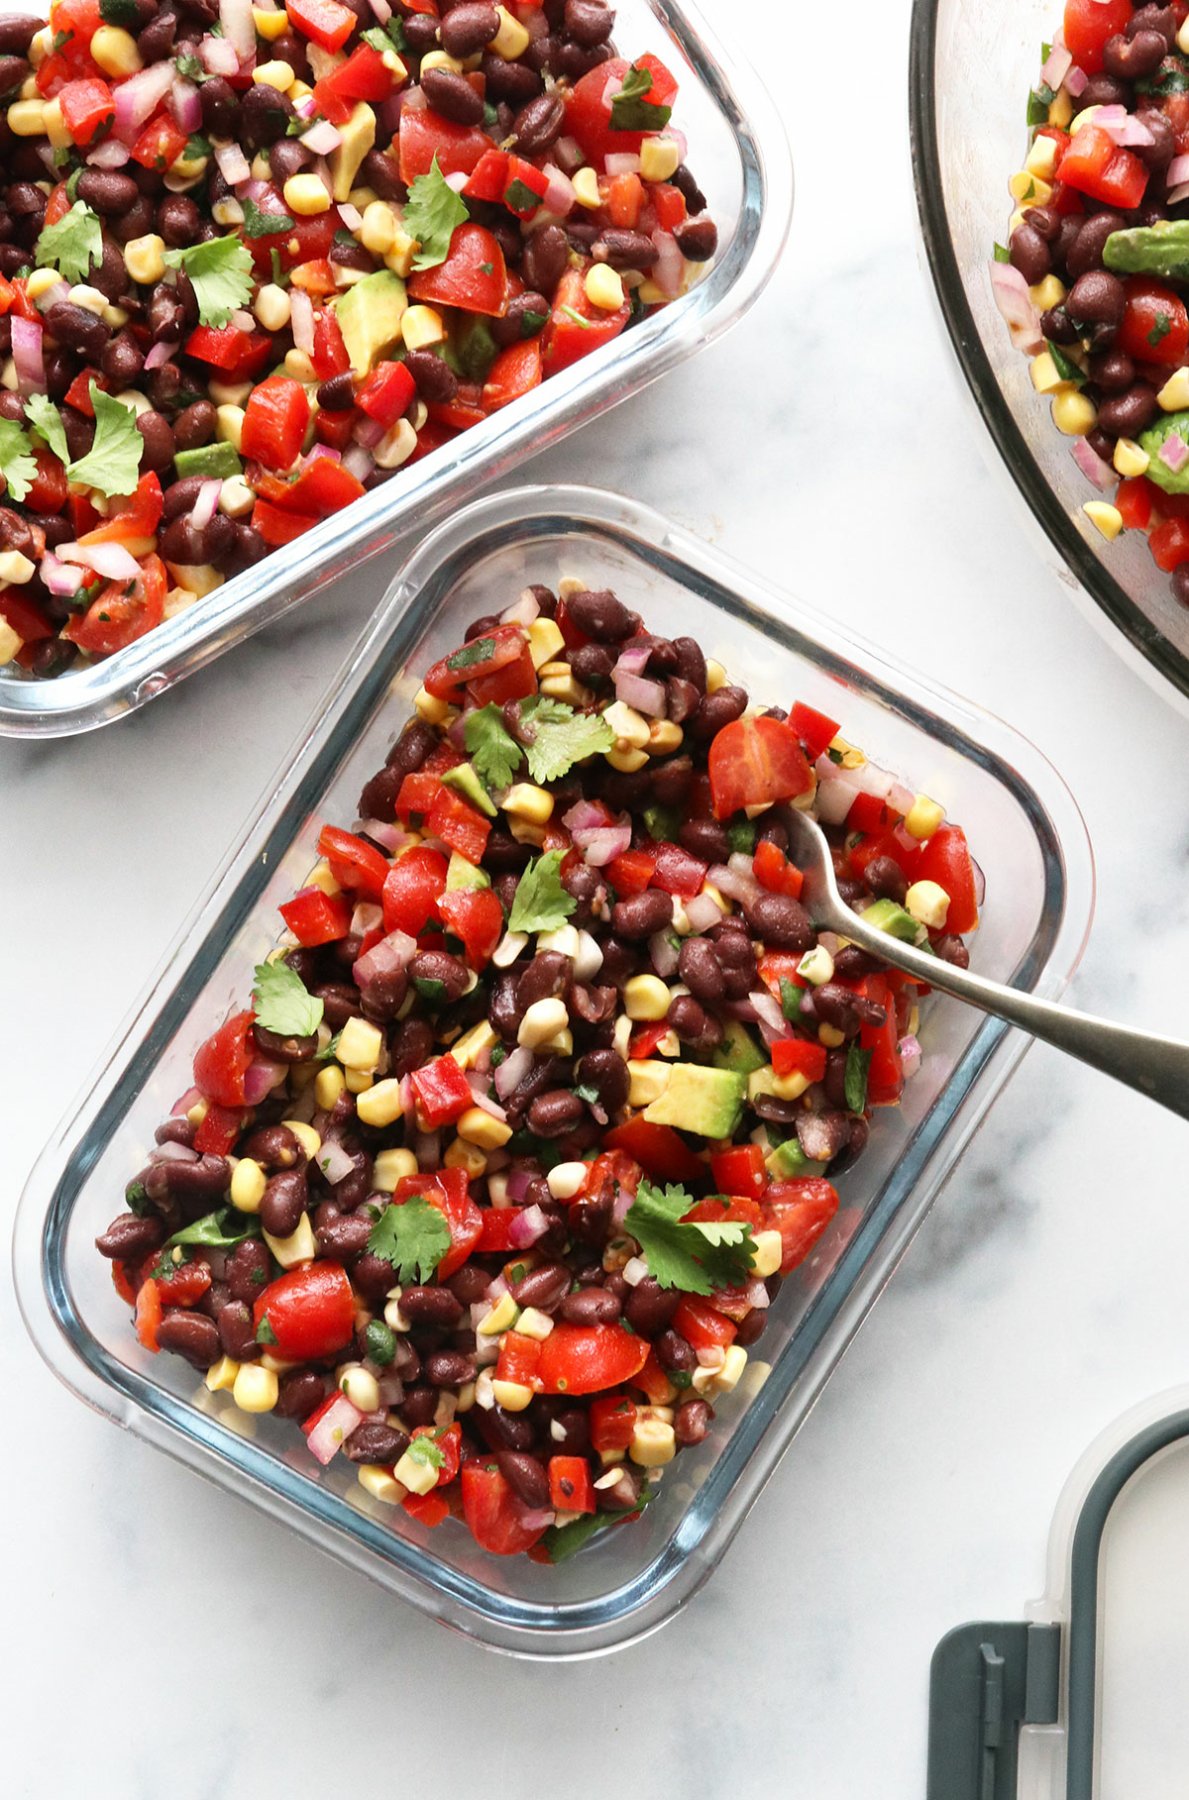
159	355
217	56
621	1206
1177	171
319	451
243	320
664	954
874	780
639	691
305	108
260	1080
756	1294
171	1152
1010	292
396	951
518	1185
233	164
335	1162
534	1518
390	837
1076	82
559	197
350	215
634	661
381	9
59	577
239	27
741	1009
366	917
186	106
772	1020
569	154
427	1148
301	319
391	1390
478	1086
140	96
603	845
27	355
457	180
203	509
361	462
703	911
621	163
369	432
584	815
668	271
52	296
339	1420
980	883
835	792
109	154
322	138
528	1225
1093	467
524	611
1057	67
1122	127
736	886
909	1051
111	561
189	1099
1173	451
512	1071
901	798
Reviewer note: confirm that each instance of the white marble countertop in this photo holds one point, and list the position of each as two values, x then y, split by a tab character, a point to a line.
161	1633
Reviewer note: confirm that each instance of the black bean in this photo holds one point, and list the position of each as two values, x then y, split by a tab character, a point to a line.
1126	415
675	1353
467	29
525	1476
691	1422
544	1287
343	1237
381	173
641	915
716	710
514	82
435	1306
1104	90
697	239
449	1368
1029	253
195	1186
538	124
264	116
78	328
192	1335
546	255
601	615
452	95
247	1270
951	949
590	1306
649	1308
421	32
17	31
588	22
700	968
500	1429
545	978
302	1391
526	317
129	1237
1096	298
288	157
1134	58
1160	152
436	381
237	1333
375	1442
157	451
439	977
781	921
1085	253
551	1115
106	191
606	1072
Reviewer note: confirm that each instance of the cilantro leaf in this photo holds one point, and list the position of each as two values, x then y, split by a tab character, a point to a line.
433	212
283	1003
491	746
218	1230
1065	366
855	1081
17	463
562	737
1160	329
263	224
632	111
112	464
220	273
424	1450
478	650
412	1236
45	418
541	903
697	1258
74	245
190	67
790	1000
1001	253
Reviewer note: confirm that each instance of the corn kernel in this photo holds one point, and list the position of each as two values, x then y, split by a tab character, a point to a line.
482	1128
1047	293
502	1317
1183	39
1042	158
469	1157
419	1477
716	676
470	1047
360	1044
391	1167
767	1081
360	1386
647	1081
627	761
1074	414
542	1021
248	1182
567	1179
115	51
281	75
321	876
15	569
378	1481
1029	189
586	187
377	232
421	327
664	737
1105	518
197	1113
524	801
1174	395
924	817
306	1136
631	728
41	45
306	196
509	948
767	1254
544	641
564	940
299	1247
653	1444
645	997
272	307
358	1081
604	287
298	364
229	425
56	128
1044	375
26	118
816	966
1061	109
40	282
513	1396
511	40
659	158
270	21
255	1388
928	902
220	1377
144	258
831	1037
1129	459
534	1324
380	1104
559	682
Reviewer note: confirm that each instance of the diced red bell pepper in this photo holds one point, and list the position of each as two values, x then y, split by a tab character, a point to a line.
48	490
678	872
625	198
275	421
325	22
354	863
324	487
488	178
740	1170
428	1509
659	1149
1169	544
221	1063
612	1422
136	516
515	371
277	525
442	1092
1134	498
867	813
474	275
416	795
885	1072
813	728
1095	165
329	355
774	871
364	76
239	354
526	188
386	393
448	1190
571	1484
668	203
576	326
519	1359
946	860
495	1238
184	1285
797	1056
494	1515
631	871
218	1130
645	1039
476	916
411	889
700	1324
317	918
148	1315
26	618
87	107
515	681
448	1439
458	825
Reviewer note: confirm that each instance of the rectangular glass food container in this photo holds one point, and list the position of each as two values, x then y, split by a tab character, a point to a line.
1025	831
739	152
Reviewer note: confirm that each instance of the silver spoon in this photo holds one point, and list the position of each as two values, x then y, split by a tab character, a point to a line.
1155	1066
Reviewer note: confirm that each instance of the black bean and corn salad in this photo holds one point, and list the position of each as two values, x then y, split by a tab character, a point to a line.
256	258
491	1186
1094	278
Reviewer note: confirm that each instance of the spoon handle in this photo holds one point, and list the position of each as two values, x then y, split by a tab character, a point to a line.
1155	1066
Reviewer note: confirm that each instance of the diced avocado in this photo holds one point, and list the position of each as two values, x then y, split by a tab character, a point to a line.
663	823
464	780
474	348
1153	440
1161	249
369	316
356	138
211	461
885	915
738	1050
788	1159
706	1101
462	874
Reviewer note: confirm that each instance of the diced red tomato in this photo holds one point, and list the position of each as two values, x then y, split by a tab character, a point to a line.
277	525
239	354
515	681
315	277
26	618
678	872
495	1237
324	22
220	1127
324	486
1088	26
654	1383
426	135
310	1311
442	1092
946	860
317	918
885	1072
571	1484
519	1359
721	1209
776	966
184	1285
354	863
329	355
482	656
797	1056
148	1314
1095	165
576	326
48	489
121	612
612	1422
448	1439
1169	544
584	1359
476	916
774	871
474	276
588	107
488	178
428	1509
447	1189
87	107
645	1039
755	762
416	795
740	1170
800	1209
411	889
364	76
1134	498
222	1061
1155	326
515	371
136	516
493	1514
159	144
660	1150
526	188
386	393
275	421
701	1325
458	825
631	871
815	730
625	197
